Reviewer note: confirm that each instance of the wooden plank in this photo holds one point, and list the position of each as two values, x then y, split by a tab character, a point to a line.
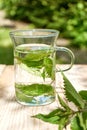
2	68
7	76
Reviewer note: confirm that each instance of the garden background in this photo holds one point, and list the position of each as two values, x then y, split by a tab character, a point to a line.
67	16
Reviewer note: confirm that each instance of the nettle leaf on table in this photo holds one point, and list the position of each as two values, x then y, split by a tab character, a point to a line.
63	104
55	117
83	94
71	93
83	120
79	122
52	117
64	115
75	124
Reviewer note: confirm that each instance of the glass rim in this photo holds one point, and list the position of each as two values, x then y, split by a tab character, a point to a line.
51	32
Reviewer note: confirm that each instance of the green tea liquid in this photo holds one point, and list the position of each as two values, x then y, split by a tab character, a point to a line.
34	74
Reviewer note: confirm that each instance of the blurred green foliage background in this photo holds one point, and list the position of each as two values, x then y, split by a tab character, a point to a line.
67	16
6	47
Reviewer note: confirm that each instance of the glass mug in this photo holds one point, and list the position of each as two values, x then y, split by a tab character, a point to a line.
35	65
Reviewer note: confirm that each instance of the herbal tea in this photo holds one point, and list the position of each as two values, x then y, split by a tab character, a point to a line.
35	74
35	65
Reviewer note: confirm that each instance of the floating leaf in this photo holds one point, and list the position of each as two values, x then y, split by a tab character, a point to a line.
38	59
33	64
35	89
43	74
33	71
36	55
48	63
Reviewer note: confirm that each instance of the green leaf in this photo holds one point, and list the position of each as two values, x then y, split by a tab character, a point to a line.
79	122
53	117
33	64
83	94
36	55
48	63
57	116
43	74
62	123
71	93
75	124
84	115
35	89
82	120
32	70
34	59
38	59
63	104
65	115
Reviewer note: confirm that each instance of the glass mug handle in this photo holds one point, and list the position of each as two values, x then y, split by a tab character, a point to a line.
70	53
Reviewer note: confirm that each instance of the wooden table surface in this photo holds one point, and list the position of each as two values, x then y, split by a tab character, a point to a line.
14	116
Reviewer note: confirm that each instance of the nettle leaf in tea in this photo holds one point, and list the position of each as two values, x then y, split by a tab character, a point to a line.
34	92
39	59
71	93
35	89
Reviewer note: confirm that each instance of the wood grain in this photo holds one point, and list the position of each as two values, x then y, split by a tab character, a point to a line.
14	116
